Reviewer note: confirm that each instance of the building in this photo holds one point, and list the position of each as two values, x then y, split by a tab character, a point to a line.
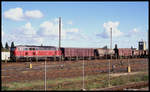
142	45
5	55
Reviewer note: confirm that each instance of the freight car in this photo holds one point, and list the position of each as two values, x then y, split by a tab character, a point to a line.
135	53
77	53
125	52
105	53
140	53
130	53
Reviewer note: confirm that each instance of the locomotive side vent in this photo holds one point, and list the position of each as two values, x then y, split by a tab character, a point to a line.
33	53
26	53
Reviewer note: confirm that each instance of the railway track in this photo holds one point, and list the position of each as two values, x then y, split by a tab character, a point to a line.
101	59
20	66
127	87
21	71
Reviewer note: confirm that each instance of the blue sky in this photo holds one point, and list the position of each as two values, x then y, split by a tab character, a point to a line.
84	24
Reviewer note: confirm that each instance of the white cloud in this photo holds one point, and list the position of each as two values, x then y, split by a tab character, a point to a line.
70	22
24	33
132	32
135	30
38	40
34	14
27	29
115	31
17	14
14	14
47	33
56	20
73	30
48	28
47	24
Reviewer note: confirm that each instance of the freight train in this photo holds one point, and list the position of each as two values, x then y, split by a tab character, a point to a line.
30	52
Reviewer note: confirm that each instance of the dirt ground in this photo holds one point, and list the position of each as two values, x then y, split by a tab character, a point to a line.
20	71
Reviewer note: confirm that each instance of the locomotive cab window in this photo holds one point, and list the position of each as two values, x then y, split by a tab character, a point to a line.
19	49
25	48
52	48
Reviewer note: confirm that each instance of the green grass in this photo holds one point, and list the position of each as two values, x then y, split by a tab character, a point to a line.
139	77
4	88
91	82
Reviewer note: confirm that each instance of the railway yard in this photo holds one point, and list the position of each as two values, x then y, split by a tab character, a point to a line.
89	47
68	75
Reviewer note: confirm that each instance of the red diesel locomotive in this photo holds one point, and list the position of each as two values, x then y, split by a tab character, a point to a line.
34	52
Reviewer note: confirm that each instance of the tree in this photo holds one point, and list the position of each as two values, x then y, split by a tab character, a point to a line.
105	47
6	46
12	45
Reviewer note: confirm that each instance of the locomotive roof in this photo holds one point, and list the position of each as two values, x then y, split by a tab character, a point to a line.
34	46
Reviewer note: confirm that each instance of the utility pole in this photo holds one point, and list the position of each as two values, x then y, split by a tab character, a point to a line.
59	32
60	35
110	54
45	74
110	38
83	74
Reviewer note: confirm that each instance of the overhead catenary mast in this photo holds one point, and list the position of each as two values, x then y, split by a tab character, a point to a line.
110	56
59	32
110	38
60	36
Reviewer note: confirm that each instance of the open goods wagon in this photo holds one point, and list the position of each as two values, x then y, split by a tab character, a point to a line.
105	53
68	53
125	52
